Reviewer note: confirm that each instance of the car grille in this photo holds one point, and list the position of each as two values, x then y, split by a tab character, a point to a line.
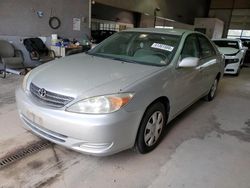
49	98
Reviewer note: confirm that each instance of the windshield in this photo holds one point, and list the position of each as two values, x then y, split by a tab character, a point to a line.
245	42
145	48
231	44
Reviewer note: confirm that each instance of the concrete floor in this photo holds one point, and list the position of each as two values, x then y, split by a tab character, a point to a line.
208	146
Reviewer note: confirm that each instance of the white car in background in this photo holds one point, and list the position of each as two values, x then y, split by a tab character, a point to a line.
234	53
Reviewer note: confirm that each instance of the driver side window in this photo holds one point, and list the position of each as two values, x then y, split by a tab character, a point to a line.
190	47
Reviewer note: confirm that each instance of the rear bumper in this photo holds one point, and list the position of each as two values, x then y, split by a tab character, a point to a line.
98	135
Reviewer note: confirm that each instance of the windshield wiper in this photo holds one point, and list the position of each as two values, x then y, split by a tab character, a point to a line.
98	55
125	60
111	57
128	60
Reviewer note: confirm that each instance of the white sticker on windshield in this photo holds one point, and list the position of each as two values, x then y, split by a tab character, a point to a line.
163	47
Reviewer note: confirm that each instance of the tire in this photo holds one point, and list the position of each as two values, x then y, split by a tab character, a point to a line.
151	128
212	92
238	72
242	63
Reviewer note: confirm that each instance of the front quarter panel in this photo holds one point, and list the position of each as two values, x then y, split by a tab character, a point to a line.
150	89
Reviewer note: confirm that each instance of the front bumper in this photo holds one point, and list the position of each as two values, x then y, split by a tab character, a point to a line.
231	68
98	135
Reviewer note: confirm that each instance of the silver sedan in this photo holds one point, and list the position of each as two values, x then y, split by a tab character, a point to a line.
122	93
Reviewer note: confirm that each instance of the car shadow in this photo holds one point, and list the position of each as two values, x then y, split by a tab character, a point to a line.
190	110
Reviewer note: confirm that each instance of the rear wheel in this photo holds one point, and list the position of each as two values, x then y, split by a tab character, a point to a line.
212	92
151	128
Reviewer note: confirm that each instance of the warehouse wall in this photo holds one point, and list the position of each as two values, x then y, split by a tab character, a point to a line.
19	18
148	21
104	12
227	4
179	10
234	13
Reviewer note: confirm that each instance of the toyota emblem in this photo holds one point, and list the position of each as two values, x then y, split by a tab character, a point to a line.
42	92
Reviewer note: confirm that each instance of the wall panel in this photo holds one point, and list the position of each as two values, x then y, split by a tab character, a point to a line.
179	10
18	18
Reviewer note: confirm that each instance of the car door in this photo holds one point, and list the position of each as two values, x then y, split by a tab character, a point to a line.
187	80
208	63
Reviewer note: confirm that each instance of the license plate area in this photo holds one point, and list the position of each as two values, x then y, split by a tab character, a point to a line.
34	118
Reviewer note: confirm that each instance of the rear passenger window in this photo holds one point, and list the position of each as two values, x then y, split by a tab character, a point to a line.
207	50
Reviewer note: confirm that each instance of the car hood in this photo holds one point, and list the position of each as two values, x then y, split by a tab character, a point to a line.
86	75
228	50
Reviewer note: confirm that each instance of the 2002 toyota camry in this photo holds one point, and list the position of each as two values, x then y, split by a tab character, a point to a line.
122	93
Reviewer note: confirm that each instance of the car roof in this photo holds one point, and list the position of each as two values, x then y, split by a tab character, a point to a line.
160	30
226	39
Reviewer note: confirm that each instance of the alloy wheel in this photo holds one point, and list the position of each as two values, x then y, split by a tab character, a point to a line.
153	128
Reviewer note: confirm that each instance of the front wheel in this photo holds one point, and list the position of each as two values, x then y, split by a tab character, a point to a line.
151	128
212	92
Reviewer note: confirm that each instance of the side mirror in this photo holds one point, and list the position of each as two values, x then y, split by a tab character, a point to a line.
189	62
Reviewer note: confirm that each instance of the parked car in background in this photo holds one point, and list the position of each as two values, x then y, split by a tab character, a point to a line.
100	35
246	43
122	93
234	53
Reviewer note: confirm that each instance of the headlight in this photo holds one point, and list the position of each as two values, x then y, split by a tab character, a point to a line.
24	84
101	104
232	60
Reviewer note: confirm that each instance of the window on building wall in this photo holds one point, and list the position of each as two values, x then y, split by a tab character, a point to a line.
101	26
246	33
237	33
114	27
